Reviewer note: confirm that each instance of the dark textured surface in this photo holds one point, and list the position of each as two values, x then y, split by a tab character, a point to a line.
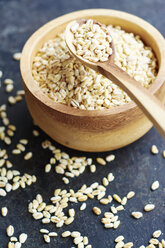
135	168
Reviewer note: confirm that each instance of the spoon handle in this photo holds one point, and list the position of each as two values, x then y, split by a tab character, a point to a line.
148	103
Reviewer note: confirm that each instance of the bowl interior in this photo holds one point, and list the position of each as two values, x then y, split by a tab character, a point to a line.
127	22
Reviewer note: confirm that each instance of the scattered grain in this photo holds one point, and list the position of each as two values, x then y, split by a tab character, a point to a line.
4	211
9	88
21	147
149	207
137	215
17	245
119	238
2	192
96	210
69	221
117	198
154	149
17	56
66	234
53	234
8	81
11	245
44	231
120	244
28	156
116	224
124	201
46	238
157	234
23	141
104	201
65	180
108	225
48	168
22	238
110	158
75	234
120	208
101	161
155	185
37	216
36	133
110	177
71	212
7	140
130	194
13	239
113	209
154	241
11	100
16	151
128	245
10	231
78	240
92	168
105	181
83	206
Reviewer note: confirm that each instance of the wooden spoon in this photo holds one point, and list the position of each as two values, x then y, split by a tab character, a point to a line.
148	103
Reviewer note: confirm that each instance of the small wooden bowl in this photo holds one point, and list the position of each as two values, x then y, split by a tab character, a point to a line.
94	130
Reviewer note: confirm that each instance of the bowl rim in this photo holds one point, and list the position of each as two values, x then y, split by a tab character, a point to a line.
34	89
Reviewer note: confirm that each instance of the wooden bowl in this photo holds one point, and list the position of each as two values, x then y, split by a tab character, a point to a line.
91	130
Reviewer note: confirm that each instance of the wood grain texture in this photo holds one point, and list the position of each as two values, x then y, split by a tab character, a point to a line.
91	130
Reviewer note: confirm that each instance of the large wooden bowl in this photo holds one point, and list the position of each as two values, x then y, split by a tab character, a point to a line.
93	130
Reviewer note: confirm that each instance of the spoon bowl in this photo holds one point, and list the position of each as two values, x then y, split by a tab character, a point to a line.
69	37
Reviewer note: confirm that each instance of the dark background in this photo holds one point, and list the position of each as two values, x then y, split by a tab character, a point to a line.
135	168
